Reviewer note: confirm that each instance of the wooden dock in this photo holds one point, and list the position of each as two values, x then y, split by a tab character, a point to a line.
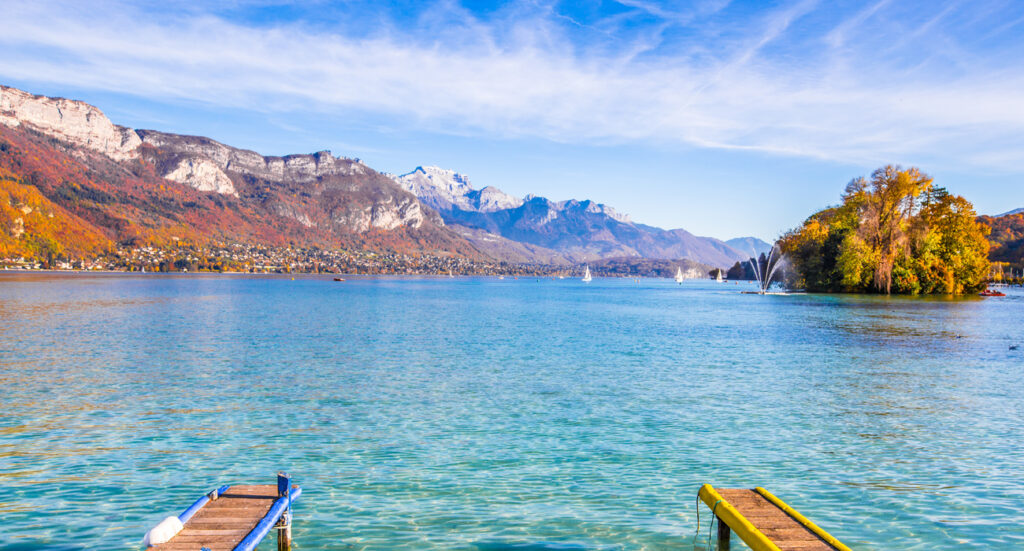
764	522
235	518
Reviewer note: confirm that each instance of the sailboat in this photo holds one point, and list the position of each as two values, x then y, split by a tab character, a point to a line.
586	275
718	276
679	275
450	273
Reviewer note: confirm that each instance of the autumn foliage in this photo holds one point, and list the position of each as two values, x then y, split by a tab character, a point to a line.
895	233
31	226
64	203
1007	238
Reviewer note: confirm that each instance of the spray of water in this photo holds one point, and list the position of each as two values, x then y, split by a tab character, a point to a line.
764	276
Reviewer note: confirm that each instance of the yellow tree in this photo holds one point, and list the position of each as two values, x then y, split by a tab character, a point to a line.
889	205
893	233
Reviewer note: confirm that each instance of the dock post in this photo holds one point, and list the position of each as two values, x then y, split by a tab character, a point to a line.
284	524
723	536
284	538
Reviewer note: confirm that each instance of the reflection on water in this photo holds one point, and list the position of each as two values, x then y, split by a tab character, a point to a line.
892	485
485	414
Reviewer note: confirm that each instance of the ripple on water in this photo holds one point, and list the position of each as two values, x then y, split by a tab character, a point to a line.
484	415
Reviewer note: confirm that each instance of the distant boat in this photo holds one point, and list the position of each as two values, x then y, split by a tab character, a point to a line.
501	277
679	275
450	273
339	279
718	276
586	275
991	293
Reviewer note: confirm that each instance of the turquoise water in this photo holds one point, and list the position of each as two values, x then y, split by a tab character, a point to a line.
493	415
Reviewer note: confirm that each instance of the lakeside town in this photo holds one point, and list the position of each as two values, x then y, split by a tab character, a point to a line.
241	258
257	259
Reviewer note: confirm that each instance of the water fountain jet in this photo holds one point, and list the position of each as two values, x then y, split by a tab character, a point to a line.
764	275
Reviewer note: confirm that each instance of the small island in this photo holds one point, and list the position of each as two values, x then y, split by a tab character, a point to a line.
896	233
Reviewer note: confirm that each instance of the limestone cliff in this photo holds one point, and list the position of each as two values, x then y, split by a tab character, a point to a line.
75	122
203	175
348	195
298	168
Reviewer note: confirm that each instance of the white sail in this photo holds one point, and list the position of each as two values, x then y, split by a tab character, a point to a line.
679	274
586	275
718	276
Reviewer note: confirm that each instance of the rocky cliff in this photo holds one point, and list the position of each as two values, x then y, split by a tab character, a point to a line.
341	193
150	186
75	122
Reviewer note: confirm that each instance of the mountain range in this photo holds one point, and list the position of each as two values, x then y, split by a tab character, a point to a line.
74	183
576	230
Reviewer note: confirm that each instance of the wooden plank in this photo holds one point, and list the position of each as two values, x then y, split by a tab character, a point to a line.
225	521
753	516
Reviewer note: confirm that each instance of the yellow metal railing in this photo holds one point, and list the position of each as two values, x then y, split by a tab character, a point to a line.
728	514
749	533
818	531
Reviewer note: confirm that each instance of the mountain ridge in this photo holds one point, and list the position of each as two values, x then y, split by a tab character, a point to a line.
146	186
750	245
138	186
581	230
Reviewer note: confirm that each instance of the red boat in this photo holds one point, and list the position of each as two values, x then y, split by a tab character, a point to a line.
991	293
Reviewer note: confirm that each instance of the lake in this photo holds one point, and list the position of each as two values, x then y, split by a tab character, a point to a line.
486	414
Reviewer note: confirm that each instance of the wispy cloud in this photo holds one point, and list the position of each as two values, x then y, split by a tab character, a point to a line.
793	81
838	36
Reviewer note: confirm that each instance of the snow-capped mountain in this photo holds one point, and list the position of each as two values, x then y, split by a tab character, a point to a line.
586	206
579	229
446	190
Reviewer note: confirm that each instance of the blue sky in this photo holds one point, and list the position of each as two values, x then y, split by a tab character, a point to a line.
724	118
